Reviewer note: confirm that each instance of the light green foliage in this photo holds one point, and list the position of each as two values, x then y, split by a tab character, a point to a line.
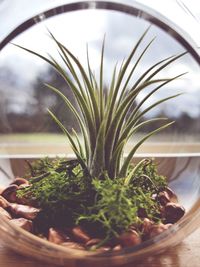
145	174
112	210
117	205
68	196
60	188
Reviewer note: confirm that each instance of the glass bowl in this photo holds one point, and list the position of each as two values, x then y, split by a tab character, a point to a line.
30	245
22	114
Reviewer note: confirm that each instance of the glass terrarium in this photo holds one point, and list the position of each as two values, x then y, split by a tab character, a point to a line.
27	131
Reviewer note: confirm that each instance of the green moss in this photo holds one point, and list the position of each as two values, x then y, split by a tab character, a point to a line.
148	178
60	189
113	210
67	196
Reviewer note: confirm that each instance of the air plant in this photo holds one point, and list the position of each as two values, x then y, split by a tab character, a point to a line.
107	121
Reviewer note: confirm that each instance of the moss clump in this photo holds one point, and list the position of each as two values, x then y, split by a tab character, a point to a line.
68	196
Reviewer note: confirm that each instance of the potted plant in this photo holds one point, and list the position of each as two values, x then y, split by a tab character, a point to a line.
99	200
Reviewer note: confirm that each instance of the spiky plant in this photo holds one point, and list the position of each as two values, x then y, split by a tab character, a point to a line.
102	187
106	122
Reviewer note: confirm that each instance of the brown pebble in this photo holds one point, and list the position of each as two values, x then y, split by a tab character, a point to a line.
117	248
134	226
24	211
4	203
25	200
9	193
24	185
2	188
142	213
173	212
146	226
103	249
163	198
158	229
172	195
5	213
23	223
57	236
129	239
93	241
20	181
73	245
80	235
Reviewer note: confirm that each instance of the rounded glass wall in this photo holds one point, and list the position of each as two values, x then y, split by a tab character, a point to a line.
149	87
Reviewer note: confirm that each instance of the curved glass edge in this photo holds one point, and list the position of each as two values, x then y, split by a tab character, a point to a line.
33	246
168	238
128	6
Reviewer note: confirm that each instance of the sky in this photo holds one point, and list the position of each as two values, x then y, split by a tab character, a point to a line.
75	29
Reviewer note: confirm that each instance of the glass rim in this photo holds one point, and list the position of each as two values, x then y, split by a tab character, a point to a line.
129	7
137	10
160	241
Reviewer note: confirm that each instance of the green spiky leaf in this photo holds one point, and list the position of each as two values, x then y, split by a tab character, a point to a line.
106	120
